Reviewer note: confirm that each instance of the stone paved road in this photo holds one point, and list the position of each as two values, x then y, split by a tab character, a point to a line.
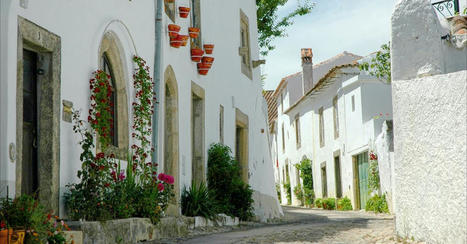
310	226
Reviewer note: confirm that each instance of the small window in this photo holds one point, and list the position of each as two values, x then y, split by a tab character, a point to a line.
283	139
169	7
244	49
297	132
196	21
321	127
353	103
336	117
221	124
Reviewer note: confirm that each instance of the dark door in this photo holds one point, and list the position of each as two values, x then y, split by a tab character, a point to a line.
30	175
337	172
362	164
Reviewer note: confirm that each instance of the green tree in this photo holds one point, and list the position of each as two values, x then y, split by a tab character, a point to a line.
270	26
380	65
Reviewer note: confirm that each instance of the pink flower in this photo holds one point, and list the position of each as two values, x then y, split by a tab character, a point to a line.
121	176
170	179
161	177
160	187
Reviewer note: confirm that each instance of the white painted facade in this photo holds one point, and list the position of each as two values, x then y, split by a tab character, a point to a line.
358	124
429	99
81	26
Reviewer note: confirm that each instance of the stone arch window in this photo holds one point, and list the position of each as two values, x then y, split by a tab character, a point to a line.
111	61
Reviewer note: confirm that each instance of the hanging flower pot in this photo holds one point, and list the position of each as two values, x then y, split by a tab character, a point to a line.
194	32
173	30
169	1
184	39
184	12
196	54
5	235
176	42
203	69
207	60
208	48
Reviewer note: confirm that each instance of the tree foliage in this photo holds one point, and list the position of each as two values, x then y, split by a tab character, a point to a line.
271	26
380	65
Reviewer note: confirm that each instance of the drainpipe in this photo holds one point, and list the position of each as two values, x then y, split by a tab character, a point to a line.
157	79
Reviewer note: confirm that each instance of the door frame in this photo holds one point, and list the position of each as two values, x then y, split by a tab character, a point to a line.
47	45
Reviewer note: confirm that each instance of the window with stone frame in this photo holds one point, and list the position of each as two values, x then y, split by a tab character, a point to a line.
335	113
244	50
169	8
221	124
297	131
113	99
321	127
196	22
283	139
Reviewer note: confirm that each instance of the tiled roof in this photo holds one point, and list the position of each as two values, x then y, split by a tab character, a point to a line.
272	107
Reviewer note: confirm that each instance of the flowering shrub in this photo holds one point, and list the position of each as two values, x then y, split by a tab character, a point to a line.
344	204
106	191
377	204
25	213
373	173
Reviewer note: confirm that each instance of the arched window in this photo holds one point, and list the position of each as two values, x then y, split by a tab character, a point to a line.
111	61
113	99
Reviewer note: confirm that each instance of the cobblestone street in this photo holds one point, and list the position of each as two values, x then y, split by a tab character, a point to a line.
308	226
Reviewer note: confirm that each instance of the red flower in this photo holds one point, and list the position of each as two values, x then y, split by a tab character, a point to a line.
2	225
100	155
161	177
106	184
170	179
102	167
97	90
160	187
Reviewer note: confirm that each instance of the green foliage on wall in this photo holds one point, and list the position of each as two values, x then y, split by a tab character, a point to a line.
380	66
377	204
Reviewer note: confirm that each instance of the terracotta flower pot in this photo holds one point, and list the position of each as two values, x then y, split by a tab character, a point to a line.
196	54
169	1
184	39
193	32
203	69
208	48
184	12
207	60
176	42
173	30
5	236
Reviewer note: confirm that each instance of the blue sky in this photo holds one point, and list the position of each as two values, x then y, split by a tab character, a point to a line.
334	26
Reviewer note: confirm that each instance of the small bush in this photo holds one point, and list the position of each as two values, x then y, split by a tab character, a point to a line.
309	196
278	190
288	191
377	204
344	204
329	203
319	203
196	202
299	194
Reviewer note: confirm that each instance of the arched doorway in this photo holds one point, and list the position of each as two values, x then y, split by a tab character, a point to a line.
171	136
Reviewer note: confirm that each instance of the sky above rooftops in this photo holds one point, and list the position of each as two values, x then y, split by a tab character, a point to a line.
334	26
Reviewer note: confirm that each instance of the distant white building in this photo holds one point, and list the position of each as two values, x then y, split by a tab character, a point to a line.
334	123
48	50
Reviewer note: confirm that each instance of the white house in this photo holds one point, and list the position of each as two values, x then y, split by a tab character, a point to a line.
334	124
58	44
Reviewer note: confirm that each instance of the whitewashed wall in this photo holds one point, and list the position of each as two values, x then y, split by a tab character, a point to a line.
81	29
429	94
225	85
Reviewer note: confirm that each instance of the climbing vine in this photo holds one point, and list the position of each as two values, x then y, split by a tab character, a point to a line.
373	173
380	65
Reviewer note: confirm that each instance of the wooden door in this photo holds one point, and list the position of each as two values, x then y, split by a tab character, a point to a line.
337	176
362	165
30	175
324	181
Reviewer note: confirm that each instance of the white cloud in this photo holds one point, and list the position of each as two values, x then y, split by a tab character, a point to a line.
334	26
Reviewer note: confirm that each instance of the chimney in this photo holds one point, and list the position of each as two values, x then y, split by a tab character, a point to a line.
307	66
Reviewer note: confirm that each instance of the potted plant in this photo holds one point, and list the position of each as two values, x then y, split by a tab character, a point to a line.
207	60
184	12
208	48
177	41
196	54
193	32
203	69
173	30
184	39
5	232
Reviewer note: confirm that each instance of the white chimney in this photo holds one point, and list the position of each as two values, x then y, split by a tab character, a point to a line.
307	66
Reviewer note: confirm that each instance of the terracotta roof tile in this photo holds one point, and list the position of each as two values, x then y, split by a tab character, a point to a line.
272	106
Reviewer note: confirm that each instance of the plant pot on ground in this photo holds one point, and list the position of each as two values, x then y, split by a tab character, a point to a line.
208	48
196	54
184	12
193	32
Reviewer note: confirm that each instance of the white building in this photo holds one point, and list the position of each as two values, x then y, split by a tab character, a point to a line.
334	124
58	44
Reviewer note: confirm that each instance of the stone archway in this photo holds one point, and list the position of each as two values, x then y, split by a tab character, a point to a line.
171	136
